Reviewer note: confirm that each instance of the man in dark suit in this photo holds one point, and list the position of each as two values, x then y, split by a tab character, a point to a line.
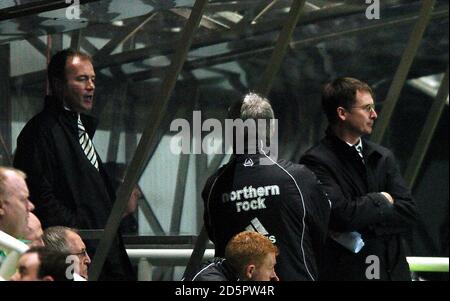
66	178
371	205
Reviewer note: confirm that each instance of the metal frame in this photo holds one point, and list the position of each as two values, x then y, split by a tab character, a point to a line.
118	100
130	131
181	256
251	51
423	143
166	47
183	164
281	47
201	167
35	8
248	18
123	37
5	101
38	45
197	253
150	216
177	208
402	72
75	39
145	144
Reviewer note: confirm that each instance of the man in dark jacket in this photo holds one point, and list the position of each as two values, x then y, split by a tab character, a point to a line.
280	199
249	256
66	178
371	205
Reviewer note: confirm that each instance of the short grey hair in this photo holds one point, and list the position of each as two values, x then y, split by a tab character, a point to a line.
255	106
55	238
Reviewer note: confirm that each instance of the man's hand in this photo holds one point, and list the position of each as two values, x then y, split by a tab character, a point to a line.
388	197
133	201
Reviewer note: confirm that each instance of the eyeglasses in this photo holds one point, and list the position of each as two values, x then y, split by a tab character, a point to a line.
83	252
368	108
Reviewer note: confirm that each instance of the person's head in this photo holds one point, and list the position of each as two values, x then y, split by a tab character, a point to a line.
348	104
14	203
72	79
254	108
253	256
34	231
67	240
41	264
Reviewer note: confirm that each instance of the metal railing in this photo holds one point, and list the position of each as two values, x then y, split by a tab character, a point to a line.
15	248
428	264
180	257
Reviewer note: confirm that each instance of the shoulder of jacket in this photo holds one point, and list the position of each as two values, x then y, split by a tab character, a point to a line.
211	179
378	148
40	123
296	170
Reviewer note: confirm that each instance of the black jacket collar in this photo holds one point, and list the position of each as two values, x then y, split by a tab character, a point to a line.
53	105
369	148
227	270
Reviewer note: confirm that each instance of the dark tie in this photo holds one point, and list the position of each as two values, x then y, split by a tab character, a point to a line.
86	144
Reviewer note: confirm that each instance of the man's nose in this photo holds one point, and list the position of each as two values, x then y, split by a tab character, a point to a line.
374	114
30	206
274	277
90	85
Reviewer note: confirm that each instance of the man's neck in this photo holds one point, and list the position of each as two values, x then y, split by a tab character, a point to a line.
345	135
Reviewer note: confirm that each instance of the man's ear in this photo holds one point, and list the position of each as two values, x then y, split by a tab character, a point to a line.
249	270
341	113
2	211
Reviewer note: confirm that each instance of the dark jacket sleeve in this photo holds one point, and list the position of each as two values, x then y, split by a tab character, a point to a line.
320	207
206	214
404	213
348	213
34	156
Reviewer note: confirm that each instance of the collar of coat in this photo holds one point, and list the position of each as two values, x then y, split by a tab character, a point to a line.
227	269
55	106
369	149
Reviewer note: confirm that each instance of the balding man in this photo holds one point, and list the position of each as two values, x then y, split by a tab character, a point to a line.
67	181
34	231
14	203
